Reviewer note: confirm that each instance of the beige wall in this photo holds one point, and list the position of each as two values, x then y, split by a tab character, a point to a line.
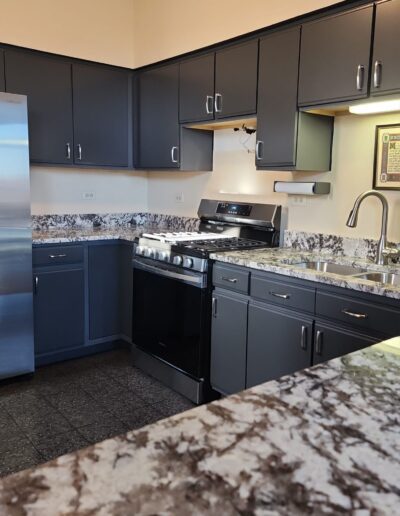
235	177
165	28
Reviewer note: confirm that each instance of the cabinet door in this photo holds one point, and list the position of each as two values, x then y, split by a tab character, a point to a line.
158	118
277	80
58	310
236	80
104	291
46	81
2	79
385	62
334	59
228	343
278	343
335	341
196	89
101	115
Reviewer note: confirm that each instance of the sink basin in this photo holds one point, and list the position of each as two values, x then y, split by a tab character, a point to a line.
387	278
335	268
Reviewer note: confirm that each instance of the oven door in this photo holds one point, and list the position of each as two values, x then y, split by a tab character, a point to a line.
171	314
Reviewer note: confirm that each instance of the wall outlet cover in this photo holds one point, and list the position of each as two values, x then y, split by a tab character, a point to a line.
179	197
298	200
88	196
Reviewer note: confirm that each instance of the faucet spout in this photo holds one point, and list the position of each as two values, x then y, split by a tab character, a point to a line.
382	254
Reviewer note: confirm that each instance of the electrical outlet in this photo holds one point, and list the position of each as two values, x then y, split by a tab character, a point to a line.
88	196
298	200
179	197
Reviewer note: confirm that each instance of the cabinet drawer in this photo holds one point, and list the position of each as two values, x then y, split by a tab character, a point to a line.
231	278
359	313
283	294
57	255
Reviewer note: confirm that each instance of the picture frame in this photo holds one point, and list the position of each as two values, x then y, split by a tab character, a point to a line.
387	157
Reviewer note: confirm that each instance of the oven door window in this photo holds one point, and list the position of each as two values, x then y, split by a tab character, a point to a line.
170	320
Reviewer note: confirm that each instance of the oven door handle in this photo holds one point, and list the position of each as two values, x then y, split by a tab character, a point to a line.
196	281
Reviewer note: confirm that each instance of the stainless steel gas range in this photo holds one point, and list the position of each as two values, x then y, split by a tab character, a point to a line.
172	290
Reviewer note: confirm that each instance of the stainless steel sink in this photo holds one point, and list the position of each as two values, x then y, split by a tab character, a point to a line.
335	268
387	278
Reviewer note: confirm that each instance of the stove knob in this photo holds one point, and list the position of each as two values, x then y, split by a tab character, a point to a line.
177	260
188	263
139	250
164	256
149	252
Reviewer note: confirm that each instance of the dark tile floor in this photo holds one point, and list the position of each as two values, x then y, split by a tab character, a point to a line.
70	405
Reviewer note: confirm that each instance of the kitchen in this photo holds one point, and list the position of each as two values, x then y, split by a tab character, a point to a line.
138	141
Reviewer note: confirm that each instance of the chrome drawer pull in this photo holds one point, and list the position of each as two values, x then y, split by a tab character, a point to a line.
218	103
354	314
53	256
377	74
259	145
231	280
214	307
281	296
68	146
209	104
360	77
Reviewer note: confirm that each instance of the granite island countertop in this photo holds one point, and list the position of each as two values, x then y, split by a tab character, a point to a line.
285	261
325	440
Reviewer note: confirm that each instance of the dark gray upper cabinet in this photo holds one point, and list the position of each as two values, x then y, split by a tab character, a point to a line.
46	81
331	342
59	312
385	73
334	59
236	80
286	138
2	78
228	342
196	89
101	106
278	343
158	104
104	290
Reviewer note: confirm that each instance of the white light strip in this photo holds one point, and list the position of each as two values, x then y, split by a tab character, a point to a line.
384	106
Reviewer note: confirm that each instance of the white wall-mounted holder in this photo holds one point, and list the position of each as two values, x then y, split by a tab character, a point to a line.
302	188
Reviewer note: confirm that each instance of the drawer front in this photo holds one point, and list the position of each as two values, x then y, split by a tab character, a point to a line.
358	313
283	294
231	278
57	255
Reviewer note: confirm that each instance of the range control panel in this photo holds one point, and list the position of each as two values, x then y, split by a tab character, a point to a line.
228	208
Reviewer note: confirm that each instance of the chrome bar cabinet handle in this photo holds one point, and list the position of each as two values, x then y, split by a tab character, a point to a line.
209	104
214	307
68	147
377	74
303	341
173	158
218	103
79	148
53	256
281	296
259	145
318	342
356	315
36	284
360	77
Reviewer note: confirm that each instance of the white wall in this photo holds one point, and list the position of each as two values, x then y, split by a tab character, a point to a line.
234	172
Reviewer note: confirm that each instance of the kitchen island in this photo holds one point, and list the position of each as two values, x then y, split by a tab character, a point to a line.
323	440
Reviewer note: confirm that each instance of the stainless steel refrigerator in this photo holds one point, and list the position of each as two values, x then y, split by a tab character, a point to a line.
16	301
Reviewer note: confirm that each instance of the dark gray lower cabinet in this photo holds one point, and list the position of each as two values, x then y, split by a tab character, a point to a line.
335	341
278	343
104	290
2	78
59	310
228	343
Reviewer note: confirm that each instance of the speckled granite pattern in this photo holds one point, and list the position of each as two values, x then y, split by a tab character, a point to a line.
87	221
325	440
285	261
67	235
331	244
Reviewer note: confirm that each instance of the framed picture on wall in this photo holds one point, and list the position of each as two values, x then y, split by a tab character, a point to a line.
387	157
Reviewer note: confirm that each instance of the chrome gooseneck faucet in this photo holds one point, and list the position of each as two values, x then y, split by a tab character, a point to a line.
384	252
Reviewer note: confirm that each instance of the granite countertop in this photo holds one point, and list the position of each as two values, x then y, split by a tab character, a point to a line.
283	261
325	440
76	234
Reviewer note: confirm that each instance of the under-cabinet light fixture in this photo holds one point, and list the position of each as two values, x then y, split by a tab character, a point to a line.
369	108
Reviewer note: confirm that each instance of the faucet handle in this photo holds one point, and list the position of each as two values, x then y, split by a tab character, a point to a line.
391	253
